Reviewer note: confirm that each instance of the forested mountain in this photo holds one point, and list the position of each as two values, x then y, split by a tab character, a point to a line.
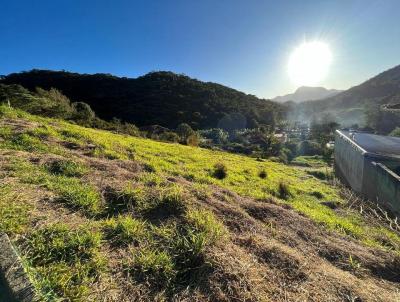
162	98
375	89
305	93
351	106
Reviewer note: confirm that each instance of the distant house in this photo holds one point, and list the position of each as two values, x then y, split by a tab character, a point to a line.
282	137
370	165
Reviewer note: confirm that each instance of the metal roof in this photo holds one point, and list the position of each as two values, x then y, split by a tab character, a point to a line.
377	144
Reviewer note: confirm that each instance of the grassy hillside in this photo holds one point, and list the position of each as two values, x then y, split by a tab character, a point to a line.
99	216
162	98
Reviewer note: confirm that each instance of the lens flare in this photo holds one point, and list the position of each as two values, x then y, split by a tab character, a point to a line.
309	63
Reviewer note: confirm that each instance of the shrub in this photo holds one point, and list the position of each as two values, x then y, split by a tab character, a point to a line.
284	190
395	132
169	136
262	174
192	140
84	114
317	194
309	148
184	131
220	171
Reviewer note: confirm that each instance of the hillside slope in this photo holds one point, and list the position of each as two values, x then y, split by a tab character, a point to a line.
101	216
162	98
349	106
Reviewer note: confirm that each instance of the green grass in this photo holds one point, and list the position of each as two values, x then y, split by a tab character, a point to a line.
14	210
152	217
124	230
161	160
67	168
197	165
68	260
70	190
151	265
309	161
203	221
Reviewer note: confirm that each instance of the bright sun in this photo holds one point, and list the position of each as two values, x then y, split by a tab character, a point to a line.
309	63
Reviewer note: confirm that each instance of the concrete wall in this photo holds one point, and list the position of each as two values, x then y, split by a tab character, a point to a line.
368	174
349	162
382	185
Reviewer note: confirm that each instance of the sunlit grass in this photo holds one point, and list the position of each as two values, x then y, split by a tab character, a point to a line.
306	191
68	260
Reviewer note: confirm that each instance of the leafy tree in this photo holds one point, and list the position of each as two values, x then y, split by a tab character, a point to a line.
309	148
395	132
184	131
323	131
83	112
169	136
59	104
217	135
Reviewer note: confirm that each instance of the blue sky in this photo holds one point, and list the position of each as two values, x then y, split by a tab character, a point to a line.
244	44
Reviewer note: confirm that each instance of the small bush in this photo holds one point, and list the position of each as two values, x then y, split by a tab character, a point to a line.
193	140
220	171
317	194
309	148
169	136
284	190
263	174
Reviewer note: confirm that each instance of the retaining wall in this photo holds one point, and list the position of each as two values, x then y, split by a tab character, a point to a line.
382	185
368	174
349	162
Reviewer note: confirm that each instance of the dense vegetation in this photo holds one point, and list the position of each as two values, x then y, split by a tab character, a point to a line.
256	142
157	98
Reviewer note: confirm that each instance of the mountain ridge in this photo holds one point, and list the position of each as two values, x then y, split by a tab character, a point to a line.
307	93
161	97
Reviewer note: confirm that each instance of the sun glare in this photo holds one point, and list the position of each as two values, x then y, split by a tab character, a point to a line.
309	63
